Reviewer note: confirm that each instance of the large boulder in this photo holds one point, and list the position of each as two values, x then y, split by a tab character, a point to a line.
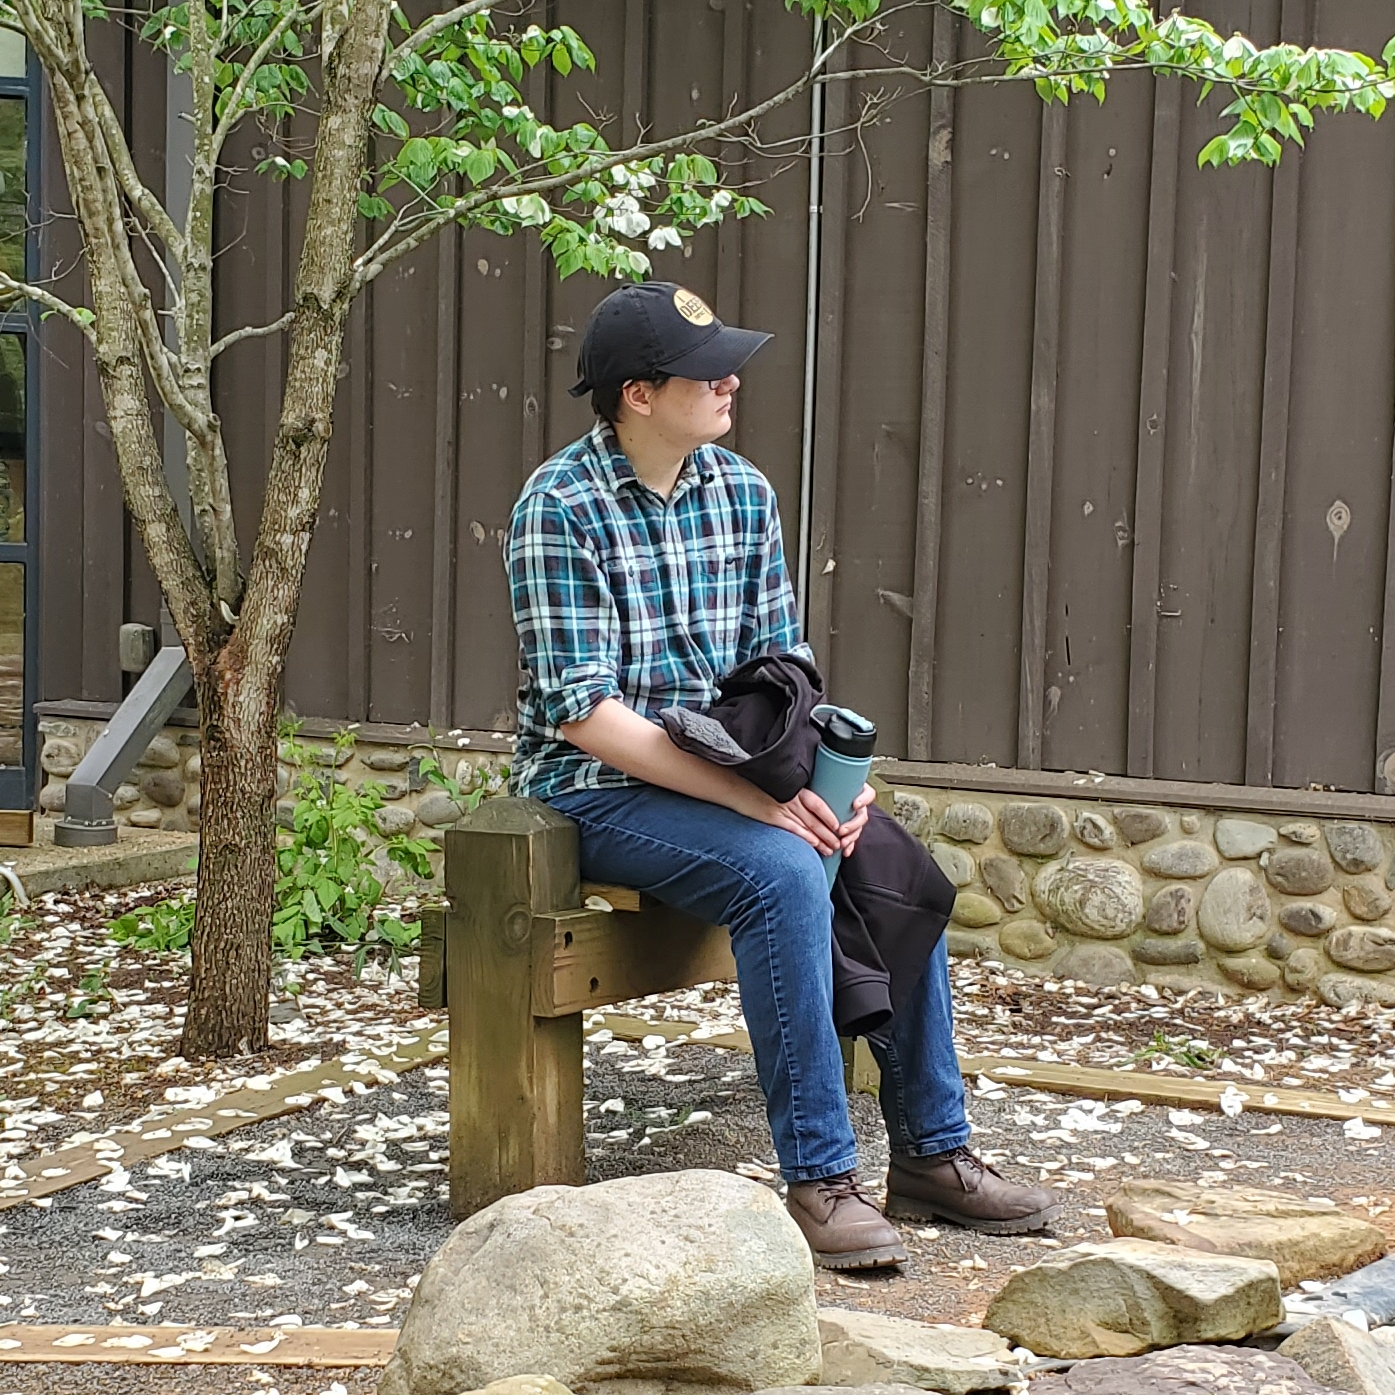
862	1349
1305	1239
677	1278
1336	1354
522	1385
1124	1297
1185	1371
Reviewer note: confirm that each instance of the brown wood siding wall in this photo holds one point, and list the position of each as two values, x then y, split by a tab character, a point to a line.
1102	458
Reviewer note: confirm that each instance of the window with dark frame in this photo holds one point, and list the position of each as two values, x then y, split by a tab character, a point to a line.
17	441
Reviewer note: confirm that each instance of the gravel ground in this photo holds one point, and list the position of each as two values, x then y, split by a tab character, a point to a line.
245	1239
182	1380
1084	1148
330	1214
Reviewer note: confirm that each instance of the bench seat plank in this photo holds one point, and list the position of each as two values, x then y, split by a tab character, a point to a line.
619	898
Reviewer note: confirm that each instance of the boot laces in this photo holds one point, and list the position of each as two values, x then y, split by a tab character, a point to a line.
976	1166
848	1187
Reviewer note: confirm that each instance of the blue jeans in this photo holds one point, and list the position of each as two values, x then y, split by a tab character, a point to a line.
769	888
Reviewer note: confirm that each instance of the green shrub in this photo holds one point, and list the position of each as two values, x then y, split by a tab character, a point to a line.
163	927
328	891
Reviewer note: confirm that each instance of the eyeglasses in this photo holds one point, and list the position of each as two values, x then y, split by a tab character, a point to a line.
659	379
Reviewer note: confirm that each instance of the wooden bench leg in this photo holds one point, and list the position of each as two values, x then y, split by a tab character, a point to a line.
515	1079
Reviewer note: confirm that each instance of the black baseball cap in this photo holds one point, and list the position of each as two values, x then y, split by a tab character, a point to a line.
659	327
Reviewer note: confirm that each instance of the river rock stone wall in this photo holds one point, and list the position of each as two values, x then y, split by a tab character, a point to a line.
163	791
1179	898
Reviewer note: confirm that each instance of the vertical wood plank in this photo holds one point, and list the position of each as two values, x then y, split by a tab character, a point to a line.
828	379
103	509
1041	441
535	300
61	354
933	389
1384	782
515	1081
636	72
1152	424
1273	451
360	620
735	29
277	302
431	959
443	636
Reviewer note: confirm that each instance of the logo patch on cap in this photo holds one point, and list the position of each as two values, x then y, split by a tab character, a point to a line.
692	307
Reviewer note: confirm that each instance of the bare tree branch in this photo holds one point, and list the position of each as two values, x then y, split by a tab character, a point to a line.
136	191
236	336
51	303
430	29
206	459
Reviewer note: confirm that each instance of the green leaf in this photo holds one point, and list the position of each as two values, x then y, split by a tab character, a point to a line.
385	119
1213	152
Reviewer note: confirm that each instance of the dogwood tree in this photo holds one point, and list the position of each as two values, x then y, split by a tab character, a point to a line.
421	123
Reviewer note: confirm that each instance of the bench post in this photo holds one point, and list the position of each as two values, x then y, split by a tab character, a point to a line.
515	1079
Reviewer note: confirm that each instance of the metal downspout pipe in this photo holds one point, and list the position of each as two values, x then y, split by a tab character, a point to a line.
811	337
87	810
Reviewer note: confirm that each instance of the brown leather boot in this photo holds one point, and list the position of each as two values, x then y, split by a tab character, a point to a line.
962	1188
842	1224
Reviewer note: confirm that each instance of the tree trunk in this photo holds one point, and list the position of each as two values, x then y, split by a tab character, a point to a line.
227	1012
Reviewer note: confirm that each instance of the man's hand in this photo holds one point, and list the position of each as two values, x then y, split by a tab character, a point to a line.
852	830
809	817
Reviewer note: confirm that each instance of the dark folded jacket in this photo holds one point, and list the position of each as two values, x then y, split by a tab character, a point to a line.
891	902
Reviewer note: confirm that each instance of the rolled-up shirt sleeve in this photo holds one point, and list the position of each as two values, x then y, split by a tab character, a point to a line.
563	610
770	616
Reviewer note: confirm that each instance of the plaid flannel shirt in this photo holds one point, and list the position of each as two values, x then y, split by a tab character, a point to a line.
617	592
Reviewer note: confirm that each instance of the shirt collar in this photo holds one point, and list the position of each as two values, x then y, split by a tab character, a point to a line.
616	470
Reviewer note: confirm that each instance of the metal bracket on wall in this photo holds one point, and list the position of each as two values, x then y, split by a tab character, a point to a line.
87	818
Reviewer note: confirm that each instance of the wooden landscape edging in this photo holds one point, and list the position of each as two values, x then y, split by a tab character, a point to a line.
89	1162
326	1347
1063	1078
71	1167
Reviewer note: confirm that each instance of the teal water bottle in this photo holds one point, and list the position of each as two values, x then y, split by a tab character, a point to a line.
844	759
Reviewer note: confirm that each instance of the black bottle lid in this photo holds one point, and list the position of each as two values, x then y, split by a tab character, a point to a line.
856	740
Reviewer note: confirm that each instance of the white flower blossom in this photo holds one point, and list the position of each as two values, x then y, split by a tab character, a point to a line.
660	238
631	224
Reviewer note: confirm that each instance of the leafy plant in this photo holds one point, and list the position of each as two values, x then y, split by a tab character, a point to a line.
467	798
12	996
12	919
328	891
95	993
1185	1051
164	927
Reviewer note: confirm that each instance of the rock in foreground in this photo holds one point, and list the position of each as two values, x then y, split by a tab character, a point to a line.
522	1385
1336	1354
1123	1297
686	1278
862	1349
1185	1371
1306	1239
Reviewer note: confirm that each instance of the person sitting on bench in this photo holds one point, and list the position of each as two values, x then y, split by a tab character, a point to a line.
645	563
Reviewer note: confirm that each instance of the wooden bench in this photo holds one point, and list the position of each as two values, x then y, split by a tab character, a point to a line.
517	959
